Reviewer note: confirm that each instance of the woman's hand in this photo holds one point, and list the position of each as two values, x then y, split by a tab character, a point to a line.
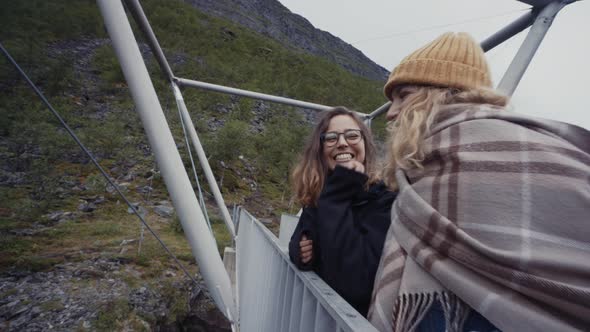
354	165
306	249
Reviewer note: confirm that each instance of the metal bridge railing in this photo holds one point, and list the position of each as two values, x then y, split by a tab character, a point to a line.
273	295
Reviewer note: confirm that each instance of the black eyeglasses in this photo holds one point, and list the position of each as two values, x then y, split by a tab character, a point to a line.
352	137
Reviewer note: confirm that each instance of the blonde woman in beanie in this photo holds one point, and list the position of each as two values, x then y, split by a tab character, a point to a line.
491	226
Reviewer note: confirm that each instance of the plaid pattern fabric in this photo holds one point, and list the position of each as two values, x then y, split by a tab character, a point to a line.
500	217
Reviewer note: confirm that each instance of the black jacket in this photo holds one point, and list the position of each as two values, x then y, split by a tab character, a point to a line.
348	229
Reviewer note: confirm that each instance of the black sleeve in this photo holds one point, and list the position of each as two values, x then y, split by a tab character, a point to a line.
304	226
350	250
336	229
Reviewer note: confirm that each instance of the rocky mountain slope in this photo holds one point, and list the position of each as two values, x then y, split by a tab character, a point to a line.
272	19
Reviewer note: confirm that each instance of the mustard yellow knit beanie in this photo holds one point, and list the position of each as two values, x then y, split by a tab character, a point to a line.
452	60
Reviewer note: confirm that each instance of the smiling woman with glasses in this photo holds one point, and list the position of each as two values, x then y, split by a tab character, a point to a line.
346	207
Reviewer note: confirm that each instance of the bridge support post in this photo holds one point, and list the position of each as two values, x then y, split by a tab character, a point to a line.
172	169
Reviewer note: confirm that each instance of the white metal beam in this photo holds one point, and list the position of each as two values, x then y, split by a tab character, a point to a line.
172	169
529	47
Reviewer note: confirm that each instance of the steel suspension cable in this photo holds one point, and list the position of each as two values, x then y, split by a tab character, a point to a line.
87	152
190	155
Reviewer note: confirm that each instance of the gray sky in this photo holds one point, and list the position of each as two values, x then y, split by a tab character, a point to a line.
556	84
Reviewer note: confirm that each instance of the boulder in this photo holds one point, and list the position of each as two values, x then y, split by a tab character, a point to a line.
164	211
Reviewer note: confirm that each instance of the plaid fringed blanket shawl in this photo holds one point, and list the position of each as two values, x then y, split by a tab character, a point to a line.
497	221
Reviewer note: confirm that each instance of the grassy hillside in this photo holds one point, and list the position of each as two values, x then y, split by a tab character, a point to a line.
251	145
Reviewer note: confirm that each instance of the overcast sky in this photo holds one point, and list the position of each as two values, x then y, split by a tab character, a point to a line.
556	84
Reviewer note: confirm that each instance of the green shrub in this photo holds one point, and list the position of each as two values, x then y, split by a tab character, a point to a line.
234	139
108	65
106	229
37	263
96	183
177	300
279	145
112	315
176	225
52	305
222	236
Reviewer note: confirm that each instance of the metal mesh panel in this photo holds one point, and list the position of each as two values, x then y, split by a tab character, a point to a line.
275	296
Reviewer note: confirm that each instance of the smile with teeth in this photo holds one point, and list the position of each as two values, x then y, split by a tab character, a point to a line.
343	157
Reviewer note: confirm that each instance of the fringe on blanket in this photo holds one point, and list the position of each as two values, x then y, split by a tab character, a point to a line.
410	309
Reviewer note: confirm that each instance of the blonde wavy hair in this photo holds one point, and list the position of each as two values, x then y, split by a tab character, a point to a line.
311	170
419	109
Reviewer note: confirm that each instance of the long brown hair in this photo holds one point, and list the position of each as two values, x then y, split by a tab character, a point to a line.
419	108
311	170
